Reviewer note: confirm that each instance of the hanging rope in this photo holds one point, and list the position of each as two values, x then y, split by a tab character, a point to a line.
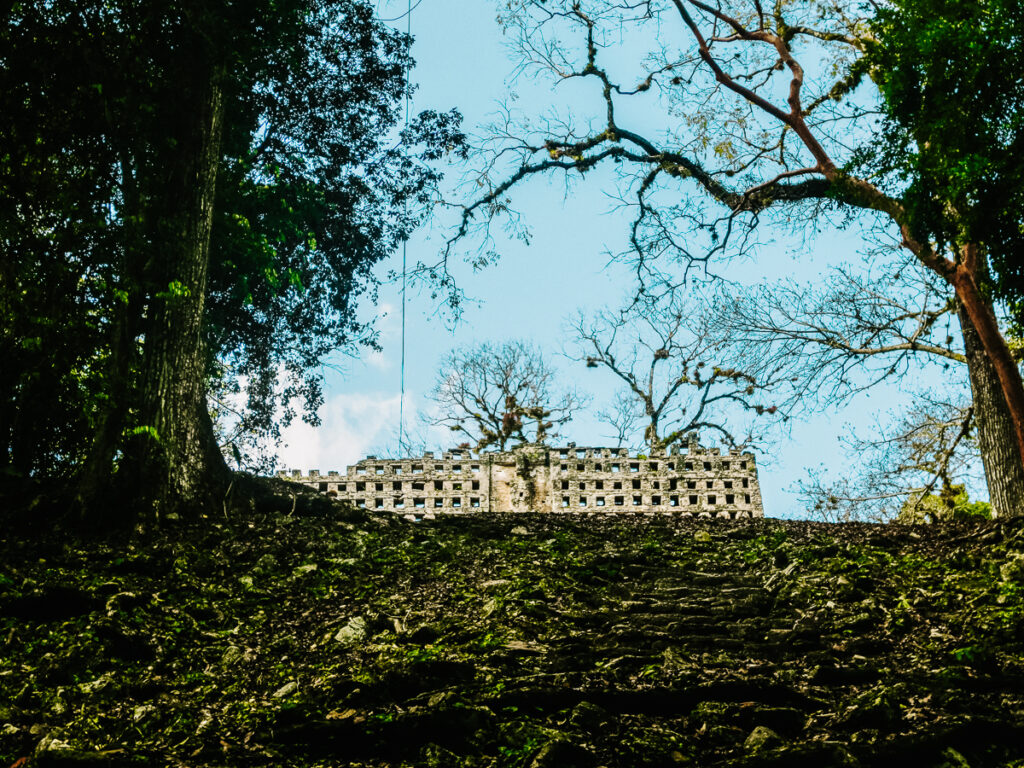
401	397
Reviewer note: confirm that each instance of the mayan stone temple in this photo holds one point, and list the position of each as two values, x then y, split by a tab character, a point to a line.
700	482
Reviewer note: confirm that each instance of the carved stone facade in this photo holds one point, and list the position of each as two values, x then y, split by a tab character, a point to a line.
700	482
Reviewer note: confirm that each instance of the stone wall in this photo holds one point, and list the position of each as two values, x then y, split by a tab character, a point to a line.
696	482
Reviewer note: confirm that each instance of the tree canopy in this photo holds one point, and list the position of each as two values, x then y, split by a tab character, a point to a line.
192	193
951	77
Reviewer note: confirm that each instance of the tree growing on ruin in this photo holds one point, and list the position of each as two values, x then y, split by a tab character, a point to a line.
674	370
767	117
500	395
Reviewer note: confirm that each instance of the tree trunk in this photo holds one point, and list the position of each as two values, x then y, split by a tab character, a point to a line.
979	309
1004	473
174	462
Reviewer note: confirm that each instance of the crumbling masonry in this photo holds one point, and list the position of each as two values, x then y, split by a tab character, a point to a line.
700	482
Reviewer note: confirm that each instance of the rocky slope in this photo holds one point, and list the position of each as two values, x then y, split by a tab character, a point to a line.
337	639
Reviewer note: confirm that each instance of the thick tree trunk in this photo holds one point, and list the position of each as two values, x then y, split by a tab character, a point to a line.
1004	473
965	281
174	460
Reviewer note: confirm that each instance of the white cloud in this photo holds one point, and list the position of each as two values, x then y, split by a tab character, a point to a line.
351	426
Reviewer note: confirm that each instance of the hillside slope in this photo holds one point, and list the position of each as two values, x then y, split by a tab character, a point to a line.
337	639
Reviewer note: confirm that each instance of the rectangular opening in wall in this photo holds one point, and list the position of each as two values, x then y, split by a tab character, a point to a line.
653	466
360	470
379	470
636	483
399	503
693	499
743	465
396	469
321	486
565	501
378	486
655	501
656	485
456	486
689	465
673	484
725	465
563	454
671	465
599	501
707	466
456	502
475	485
580	467
341	486
712	499
746	498
396	485
583	501
474	502
634	466
474	467
419	503
616	467
565	485
638	501
564	467
439	467
673	501
727	483
438	502
417	469
620	500
691	484
456	467
417	486
710	483
360	486
361	503
439	485
746	483
599	485
583	486
581	453
378	503
730	499
617	485
597	467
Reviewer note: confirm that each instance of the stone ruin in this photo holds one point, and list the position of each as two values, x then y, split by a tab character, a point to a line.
698	482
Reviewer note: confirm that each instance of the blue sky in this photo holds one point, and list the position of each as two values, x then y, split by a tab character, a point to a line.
462	62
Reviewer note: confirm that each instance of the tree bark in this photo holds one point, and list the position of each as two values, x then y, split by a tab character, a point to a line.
173	460
1004	473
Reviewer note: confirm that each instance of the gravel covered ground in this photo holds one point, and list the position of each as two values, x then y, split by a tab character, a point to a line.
326	637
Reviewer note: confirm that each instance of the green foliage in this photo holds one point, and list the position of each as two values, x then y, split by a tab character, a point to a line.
951	74
315	185
951	503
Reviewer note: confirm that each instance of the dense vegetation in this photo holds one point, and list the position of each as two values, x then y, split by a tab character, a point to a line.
192	198
302	633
